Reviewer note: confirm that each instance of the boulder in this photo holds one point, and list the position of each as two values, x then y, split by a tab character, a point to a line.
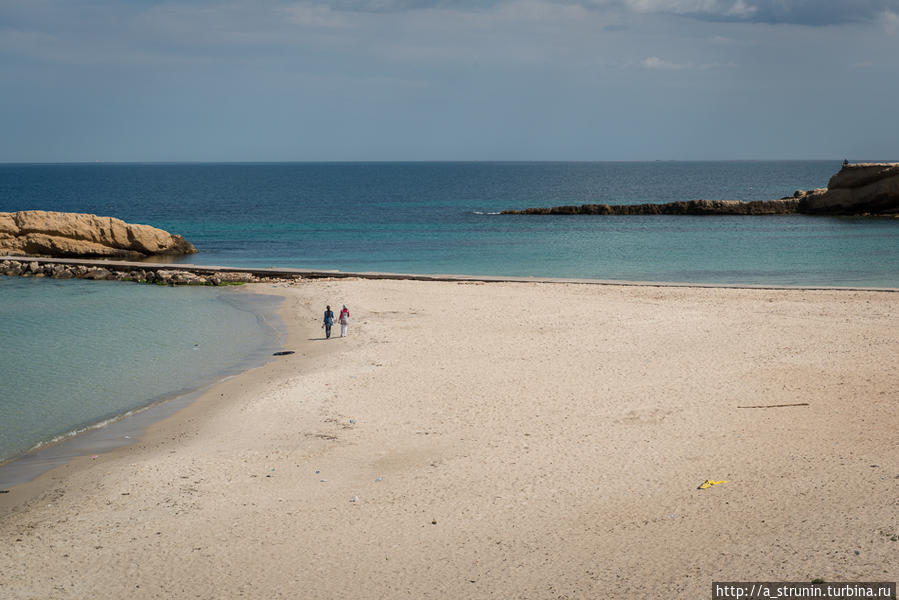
235	277
185	278
97	274
61	272
12	268
43	233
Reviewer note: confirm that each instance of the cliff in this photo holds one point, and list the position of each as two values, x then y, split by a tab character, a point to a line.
861	188
857	189
57	234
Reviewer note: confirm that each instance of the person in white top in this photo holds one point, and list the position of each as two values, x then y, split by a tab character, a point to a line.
344	319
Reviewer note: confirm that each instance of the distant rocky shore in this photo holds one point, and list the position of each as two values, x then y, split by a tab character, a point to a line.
870	189
184	275
58	234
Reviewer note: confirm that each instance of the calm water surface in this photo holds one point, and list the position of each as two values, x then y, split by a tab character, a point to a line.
73	353
435	218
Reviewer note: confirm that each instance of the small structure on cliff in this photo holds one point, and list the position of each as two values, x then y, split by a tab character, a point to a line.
857	189
70	235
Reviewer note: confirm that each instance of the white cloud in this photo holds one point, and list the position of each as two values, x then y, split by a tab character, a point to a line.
654	62
890	21
798	12
540	11
724	8
306	14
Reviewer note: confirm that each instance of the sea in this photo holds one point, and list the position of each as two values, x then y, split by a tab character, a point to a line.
75	354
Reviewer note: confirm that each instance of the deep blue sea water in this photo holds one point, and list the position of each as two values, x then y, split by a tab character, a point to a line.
73	353
434	218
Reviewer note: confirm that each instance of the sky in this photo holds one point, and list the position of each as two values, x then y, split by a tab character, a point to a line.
360	80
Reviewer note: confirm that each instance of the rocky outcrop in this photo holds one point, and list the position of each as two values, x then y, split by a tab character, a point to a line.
692	207
70	235
858	189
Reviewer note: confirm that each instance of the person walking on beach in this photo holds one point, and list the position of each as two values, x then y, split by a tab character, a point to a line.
344	320
329	320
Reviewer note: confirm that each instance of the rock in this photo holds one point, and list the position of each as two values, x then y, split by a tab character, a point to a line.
185	278
44	233
97	274
175	277
858	189
692	207
236	277
61	272
12	268
856	175
862	188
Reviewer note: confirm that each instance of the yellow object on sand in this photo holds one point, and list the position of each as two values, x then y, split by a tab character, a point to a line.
709	483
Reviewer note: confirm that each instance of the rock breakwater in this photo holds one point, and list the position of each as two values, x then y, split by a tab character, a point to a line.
58	234
156	275
692	207
869	189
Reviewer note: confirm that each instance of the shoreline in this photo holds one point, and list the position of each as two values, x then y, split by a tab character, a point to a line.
135	425
490	456
175	414
286	274
123	429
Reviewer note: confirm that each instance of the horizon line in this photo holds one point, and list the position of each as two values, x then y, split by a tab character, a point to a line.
438	161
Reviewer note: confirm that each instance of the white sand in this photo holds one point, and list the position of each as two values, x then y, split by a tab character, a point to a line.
531	440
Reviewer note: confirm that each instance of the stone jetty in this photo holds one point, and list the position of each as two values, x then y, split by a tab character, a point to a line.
867	189
138	272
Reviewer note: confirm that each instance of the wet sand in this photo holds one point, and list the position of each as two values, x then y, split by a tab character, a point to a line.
500	440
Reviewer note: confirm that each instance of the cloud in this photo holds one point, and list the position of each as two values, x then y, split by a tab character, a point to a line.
654	62
798	12
737	9
890	21
315	16
380	6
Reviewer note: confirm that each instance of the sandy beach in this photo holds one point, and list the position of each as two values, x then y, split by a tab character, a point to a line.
500	440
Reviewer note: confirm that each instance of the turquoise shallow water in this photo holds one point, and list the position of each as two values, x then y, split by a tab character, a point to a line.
435	218
75	353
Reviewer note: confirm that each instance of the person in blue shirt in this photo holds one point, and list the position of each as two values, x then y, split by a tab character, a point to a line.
329	320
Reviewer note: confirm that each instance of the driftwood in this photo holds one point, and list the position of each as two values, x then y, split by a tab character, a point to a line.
775	405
